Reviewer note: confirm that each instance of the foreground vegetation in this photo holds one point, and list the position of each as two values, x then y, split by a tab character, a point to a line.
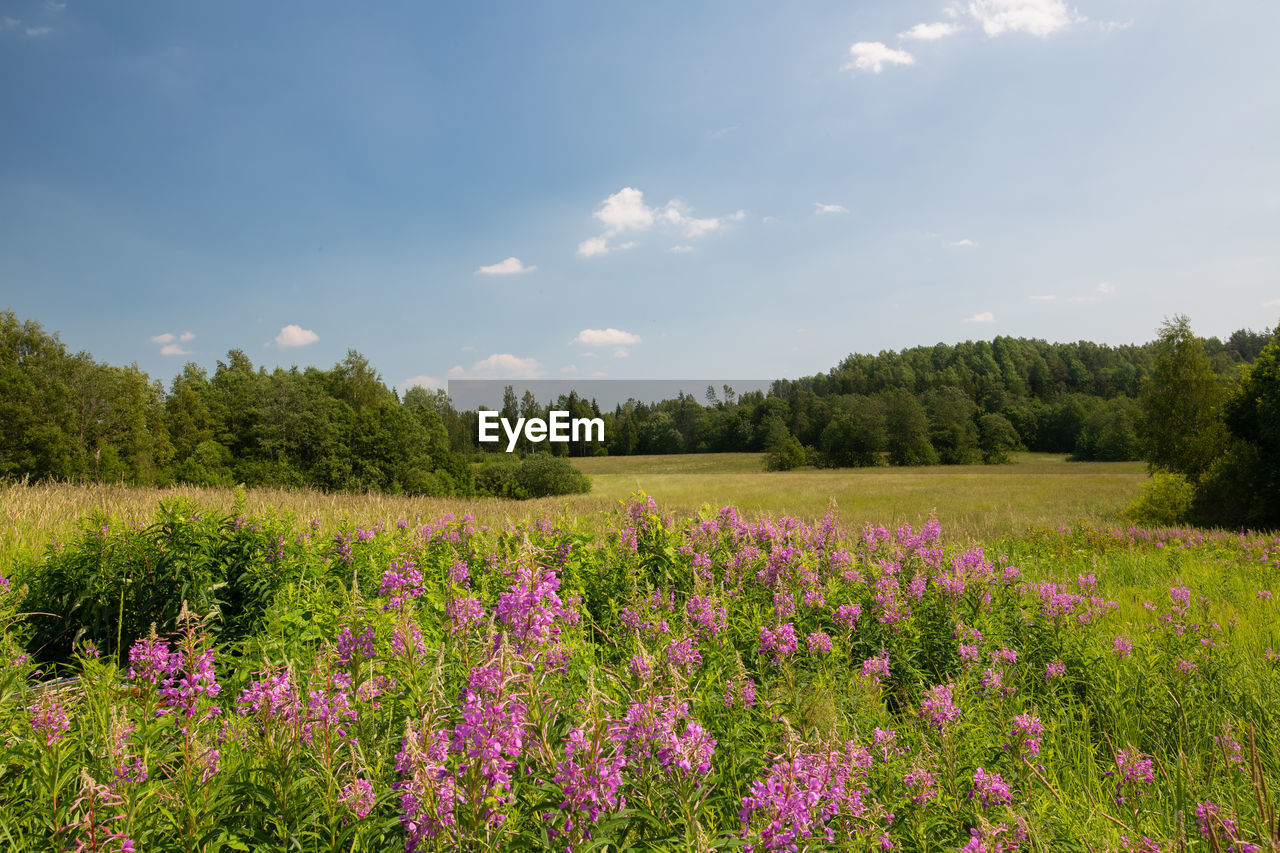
973	502
643	680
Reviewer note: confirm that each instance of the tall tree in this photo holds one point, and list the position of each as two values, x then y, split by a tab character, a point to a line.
1181	428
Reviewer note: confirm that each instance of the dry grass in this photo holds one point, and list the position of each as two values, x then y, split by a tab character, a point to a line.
976	502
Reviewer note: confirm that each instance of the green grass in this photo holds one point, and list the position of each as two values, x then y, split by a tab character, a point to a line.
973	501
976	502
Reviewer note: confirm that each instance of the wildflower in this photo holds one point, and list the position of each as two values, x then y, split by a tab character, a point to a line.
780	640
1027	730
744	694
272	698
464	614
1123	647
1054	669
358	797
401	583
990	789
922	784
819	643
938	707
349	645
1133	773
876	668
49	717
846	615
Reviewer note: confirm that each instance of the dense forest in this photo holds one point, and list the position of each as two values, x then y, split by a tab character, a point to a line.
65	416
948	404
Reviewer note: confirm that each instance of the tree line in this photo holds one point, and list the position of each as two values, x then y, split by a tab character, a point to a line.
65	416
966	403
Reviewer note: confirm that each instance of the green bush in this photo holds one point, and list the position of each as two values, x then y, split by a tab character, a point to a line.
1166	499
537	476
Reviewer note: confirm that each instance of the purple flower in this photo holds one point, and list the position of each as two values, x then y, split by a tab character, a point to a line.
781	641
1133	773
744	694
358	797
401	583
49	718
464	614
1122	647
1027	730
922	784
1054	669
531	607
273	698
938	707
876	668
349	645
990	789
846	615
819	643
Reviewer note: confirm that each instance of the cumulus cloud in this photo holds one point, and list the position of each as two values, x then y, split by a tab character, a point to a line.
295	336
966	243
873	56
621	352
931	32
1037	17
511	266
679	250
983	317
1103	290
626	211
173	343
422	381
500	365
1047	297
606	338
819	207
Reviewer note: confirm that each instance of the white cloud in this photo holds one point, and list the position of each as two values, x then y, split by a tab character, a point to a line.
626	210
511	266
983	317
680	250
9	23
830	208
569	368
966	243
422	380
593	246
873	56
1274	303
187	336
1106	288
163	339
1037	17
1114	26
295	336
36	32
1048	297
621	352
499	366
606	338
174	349
930	32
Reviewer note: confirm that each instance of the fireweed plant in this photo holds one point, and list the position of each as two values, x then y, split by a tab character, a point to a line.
708	682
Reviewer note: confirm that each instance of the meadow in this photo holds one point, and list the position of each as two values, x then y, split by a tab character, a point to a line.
973	501
825	667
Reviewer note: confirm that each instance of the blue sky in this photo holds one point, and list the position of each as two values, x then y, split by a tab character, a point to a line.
653	189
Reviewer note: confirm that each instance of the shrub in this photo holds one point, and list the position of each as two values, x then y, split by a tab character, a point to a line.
537	476
1166	499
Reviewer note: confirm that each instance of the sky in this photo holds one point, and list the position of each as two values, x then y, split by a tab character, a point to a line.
632	190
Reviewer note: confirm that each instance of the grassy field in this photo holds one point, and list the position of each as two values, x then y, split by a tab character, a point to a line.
975	502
